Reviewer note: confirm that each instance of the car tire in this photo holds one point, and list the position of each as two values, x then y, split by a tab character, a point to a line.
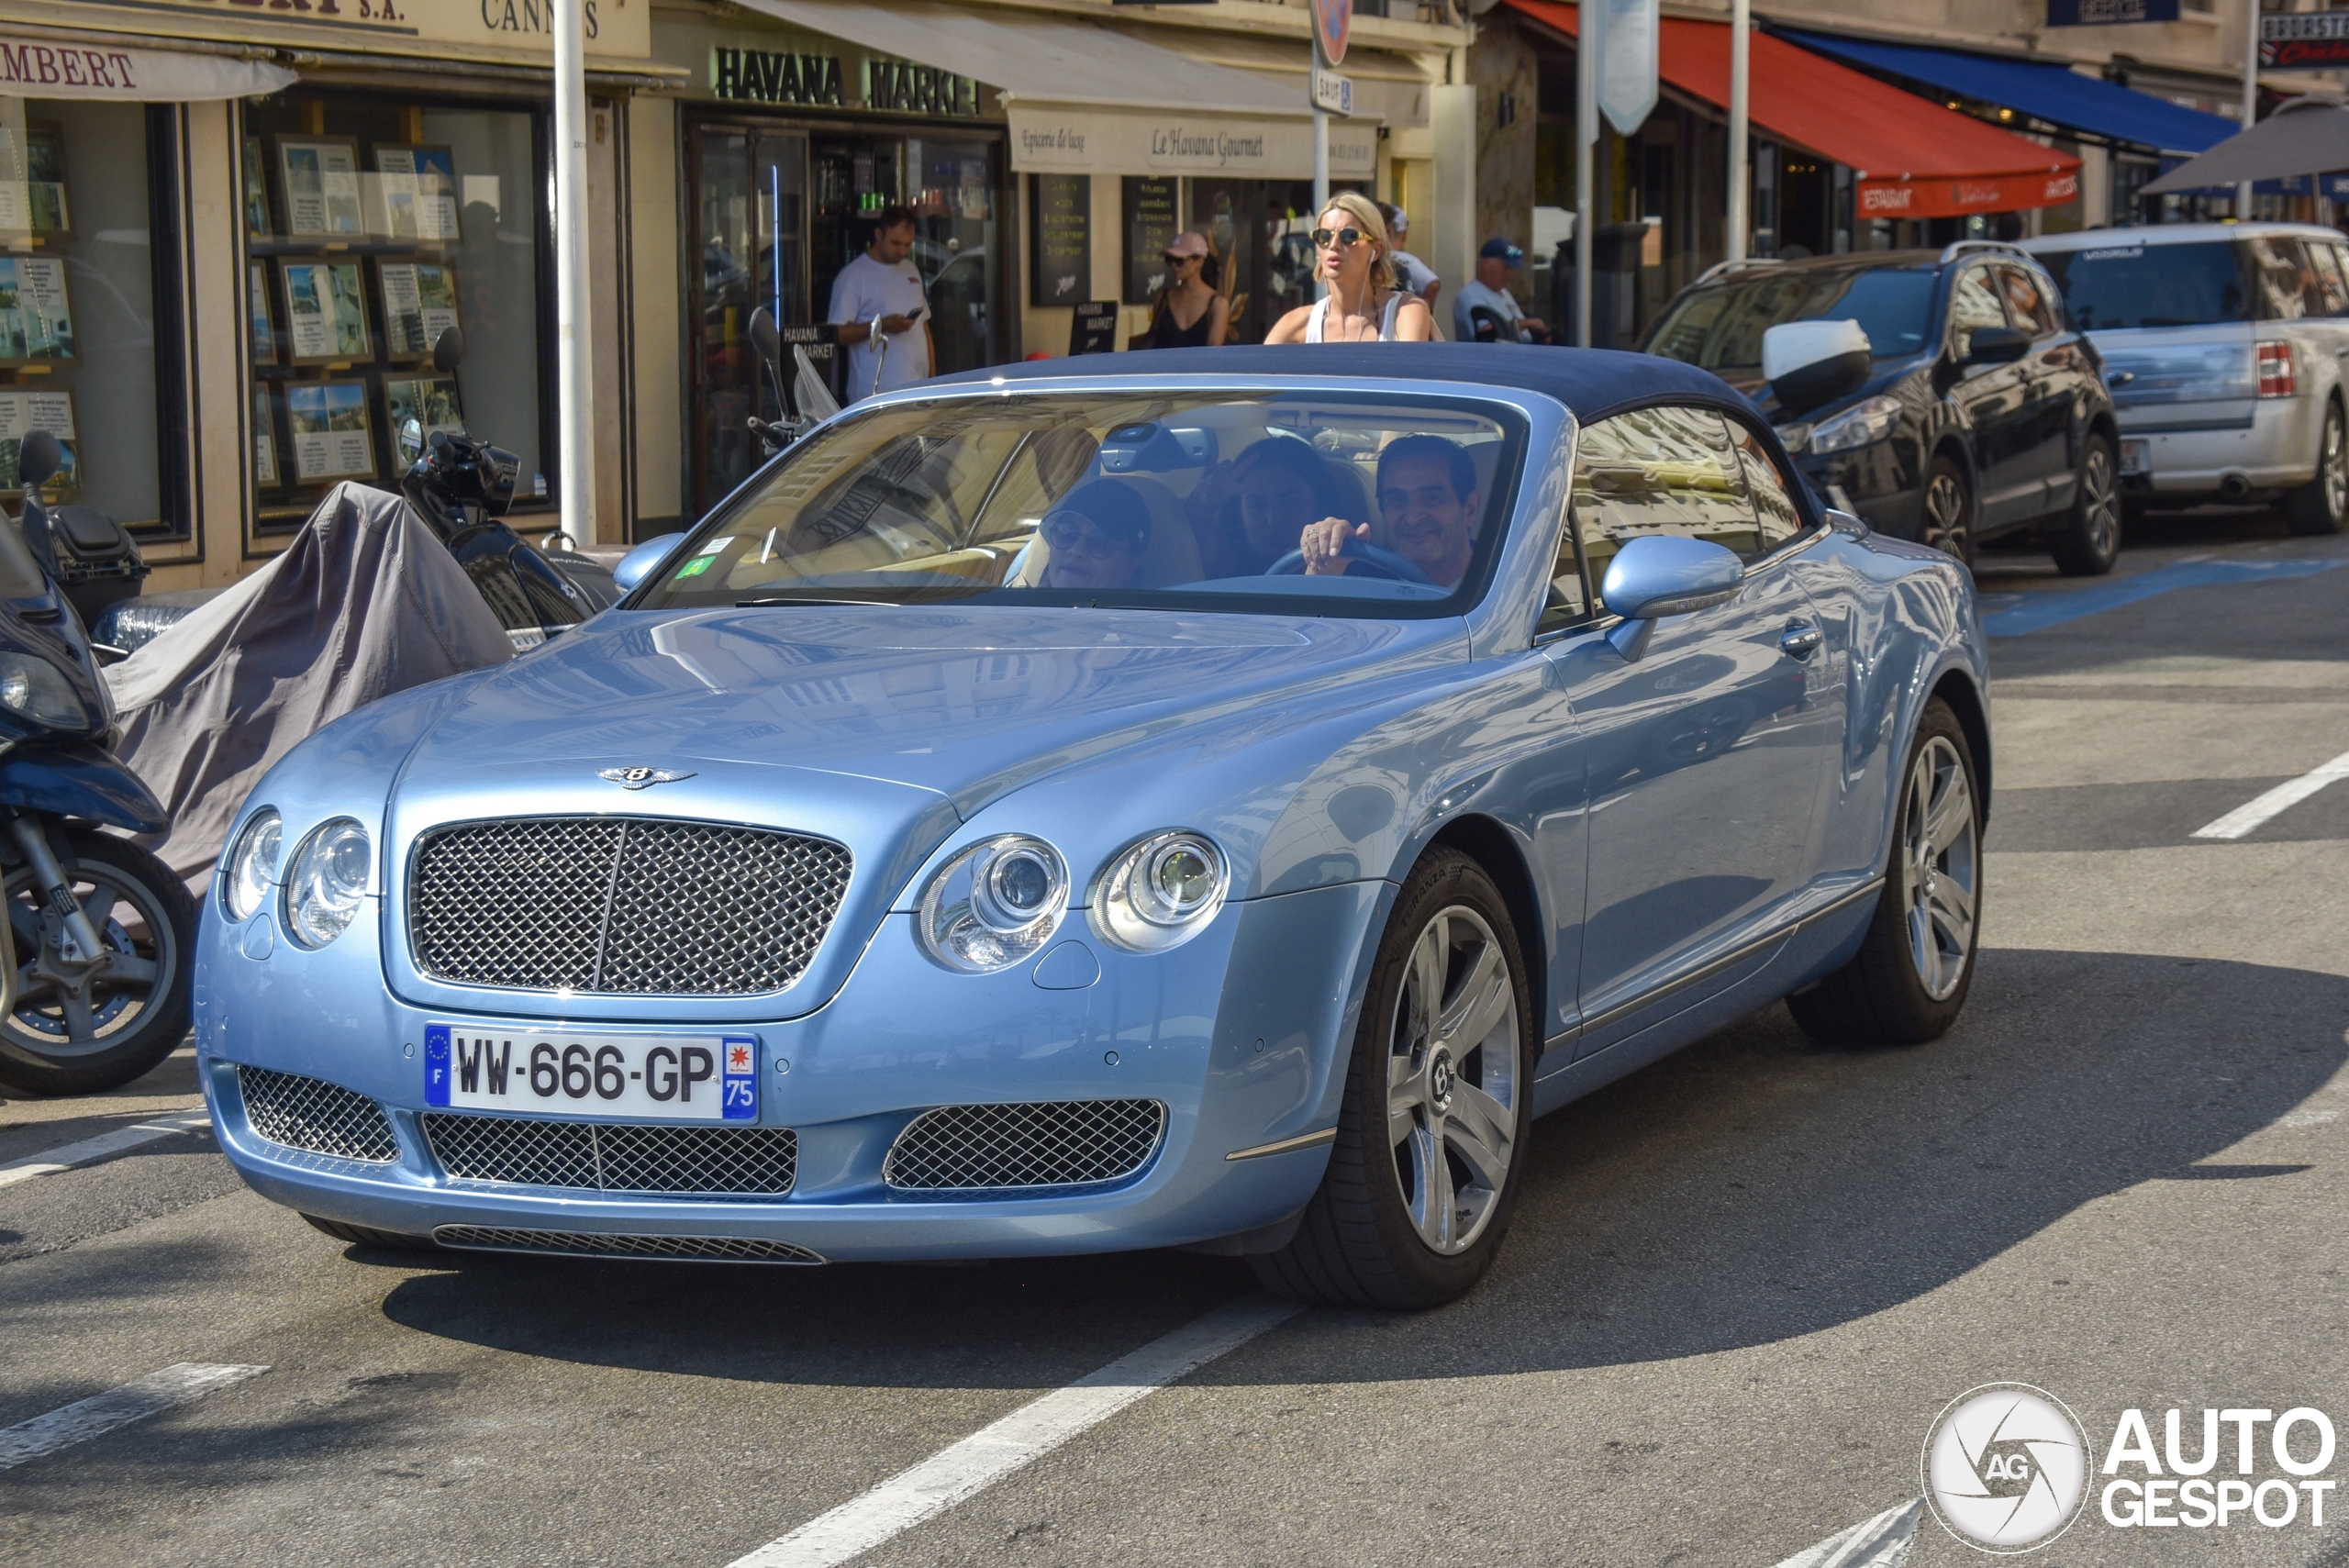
1431	1138
39	1053
1908	981
2321	505
1947	523
368	1236
2087	541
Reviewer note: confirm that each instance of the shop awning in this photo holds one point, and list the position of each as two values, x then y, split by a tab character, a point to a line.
1083	98
48	68
2050	93
1910	158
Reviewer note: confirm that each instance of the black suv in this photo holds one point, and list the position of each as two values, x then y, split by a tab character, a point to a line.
1971	409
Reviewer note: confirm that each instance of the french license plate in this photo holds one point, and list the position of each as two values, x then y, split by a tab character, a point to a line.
2133	456
653	1077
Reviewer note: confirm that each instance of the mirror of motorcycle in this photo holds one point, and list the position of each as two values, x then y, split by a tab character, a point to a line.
768	345
38	459
449	350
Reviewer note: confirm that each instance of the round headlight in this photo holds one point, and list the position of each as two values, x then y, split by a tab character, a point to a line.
35	688
253	865
993	904
328	883
1161	891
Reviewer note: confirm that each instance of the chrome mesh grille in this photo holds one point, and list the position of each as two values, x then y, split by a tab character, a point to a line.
315	1117
1056	1144
622	905
701	1161
584	1244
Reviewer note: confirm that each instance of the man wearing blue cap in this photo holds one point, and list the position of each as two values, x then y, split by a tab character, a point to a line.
1489	293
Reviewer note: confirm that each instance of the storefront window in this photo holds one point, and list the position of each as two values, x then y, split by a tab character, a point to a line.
371	226
779	210
90	324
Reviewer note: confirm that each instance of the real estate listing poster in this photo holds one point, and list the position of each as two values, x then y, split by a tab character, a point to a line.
36	319
319	178
419	304
22	413
326	319
418	194
266	474
331	436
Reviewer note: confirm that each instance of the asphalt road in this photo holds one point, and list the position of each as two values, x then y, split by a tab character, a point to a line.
1741	1285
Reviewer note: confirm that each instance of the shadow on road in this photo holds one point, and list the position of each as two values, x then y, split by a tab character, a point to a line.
1755	1188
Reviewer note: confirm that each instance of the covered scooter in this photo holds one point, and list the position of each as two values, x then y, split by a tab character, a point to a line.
95	984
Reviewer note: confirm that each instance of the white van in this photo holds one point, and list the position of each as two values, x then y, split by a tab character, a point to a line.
2223	346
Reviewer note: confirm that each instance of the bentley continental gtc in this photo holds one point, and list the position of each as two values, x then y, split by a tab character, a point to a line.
1073	807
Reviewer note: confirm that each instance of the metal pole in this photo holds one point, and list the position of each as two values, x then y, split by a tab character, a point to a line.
2250	96
1585	137
575	371
1740	30
1321	154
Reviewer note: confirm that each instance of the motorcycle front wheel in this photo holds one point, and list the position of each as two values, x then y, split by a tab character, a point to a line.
80	1028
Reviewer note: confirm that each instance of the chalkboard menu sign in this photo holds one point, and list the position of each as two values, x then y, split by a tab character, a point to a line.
1094	329
1060	238
1153	220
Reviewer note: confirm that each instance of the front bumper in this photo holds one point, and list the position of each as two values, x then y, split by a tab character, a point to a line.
1237	1033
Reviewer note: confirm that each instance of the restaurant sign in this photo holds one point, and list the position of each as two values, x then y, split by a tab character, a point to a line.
2309	40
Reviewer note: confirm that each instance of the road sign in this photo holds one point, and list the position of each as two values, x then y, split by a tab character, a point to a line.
2105	13
2311	40
1629	37
1333	92
1332	20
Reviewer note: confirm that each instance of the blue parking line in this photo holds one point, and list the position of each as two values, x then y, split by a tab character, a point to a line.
2018	614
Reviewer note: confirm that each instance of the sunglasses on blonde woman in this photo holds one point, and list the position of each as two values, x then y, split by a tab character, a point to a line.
1347	238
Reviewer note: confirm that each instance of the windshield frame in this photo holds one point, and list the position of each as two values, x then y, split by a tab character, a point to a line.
1534	427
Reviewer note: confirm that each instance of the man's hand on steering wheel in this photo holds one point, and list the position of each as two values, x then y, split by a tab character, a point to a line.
1324	543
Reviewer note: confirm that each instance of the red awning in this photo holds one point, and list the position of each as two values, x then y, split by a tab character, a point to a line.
1910	157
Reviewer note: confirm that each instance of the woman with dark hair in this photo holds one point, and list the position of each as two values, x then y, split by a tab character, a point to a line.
1189	312
1256	508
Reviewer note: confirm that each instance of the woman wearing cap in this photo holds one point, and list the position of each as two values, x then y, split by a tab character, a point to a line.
1189	312
1350	254
1097	534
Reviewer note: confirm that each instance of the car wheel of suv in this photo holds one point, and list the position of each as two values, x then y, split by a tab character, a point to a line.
1910	978
1431	1132
2321	505
2088	542
1949	510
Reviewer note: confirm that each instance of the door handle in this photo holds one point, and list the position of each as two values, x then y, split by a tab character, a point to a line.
1800	641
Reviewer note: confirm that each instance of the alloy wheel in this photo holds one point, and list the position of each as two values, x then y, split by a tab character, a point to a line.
1941	865
67	1008
1945	525
2099	505
1453	1084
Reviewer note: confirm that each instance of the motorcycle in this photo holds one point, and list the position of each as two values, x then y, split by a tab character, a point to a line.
95	986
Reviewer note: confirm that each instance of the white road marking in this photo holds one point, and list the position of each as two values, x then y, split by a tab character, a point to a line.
1883	1541
994	1451
49	1162
102	1413
2248	817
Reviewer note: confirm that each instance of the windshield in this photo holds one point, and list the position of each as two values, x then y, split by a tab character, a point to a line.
1720	327
2193	284
1201	500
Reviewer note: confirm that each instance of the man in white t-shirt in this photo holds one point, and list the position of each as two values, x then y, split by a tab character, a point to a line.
1489	291
877	299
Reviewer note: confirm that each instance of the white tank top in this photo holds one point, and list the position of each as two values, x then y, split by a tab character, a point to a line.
1322	312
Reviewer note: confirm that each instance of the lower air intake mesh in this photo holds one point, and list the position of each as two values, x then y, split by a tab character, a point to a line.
581	1245
1059	1144
697	1161
315	1117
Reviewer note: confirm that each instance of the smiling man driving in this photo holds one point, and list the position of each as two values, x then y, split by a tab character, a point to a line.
1427	494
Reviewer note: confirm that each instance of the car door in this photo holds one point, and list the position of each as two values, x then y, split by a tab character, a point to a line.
1707	753
1990	398
2046	456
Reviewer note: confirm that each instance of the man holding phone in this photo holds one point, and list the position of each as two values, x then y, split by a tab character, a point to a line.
877	304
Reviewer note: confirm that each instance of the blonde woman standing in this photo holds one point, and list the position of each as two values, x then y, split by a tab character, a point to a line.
1351	254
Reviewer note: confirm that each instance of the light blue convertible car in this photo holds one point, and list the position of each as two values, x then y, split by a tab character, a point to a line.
1215	804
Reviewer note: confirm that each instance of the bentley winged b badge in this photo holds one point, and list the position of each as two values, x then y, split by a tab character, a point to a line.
641	778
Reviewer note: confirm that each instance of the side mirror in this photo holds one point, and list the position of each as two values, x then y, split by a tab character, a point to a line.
644	561
1811	363
449	350
37	459
1665	575
1997	345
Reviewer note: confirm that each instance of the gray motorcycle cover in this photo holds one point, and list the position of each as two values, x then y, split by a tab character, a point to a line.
365	602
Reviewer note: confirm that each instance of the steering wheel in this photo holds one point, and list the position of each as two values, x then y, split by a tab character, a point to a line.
1379	563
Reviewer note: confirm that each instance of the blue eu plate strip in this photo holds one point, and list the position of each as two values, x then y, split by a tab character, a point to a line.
436	1064
2024	613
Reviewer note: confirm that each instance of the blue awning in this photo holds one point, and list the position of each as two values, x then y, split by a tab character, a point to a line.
2049	93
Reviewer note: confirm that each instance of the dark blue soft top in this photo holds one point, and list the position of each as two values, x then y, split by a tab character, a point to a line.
1594	382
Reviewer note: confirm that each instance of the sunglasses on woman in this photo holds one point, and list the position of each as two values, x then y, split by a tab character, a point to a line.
1348	238
1069	533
